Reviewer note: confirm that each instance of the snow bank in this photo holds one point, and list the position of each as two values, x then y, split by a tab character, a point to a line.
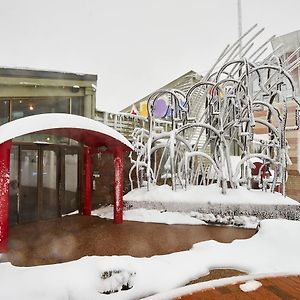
208	194
190	289
168	217
250	286
274	249
149	215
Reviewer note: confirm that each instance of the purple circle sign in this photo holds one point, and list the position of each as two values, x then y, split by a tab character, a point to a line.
160	108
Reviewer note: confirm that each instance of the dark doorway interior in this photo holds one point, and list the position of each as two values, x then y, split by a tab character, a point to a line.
45	181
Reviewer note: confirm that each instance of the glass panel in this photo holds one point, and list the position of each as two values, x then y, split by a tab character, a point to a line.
71	183
4	111
43	138
77	106
49	189
27	107
28	185
13	186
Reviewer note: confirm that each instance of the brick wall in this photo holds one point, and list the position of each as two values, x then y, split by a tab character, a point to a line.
292	136
293	183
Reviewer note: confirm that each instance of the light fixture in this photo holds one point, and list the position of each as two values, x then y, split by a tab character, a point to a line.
31	107
75	88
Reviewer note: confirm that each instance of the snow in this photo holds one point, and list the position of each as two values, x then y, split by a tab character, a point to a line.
149	215
264	137
41	122
208	194
75	212
273	250
250	286
189	289
168	217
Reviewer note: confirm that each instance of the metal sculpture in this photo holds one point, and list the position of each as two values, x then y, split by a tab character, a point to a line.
228	129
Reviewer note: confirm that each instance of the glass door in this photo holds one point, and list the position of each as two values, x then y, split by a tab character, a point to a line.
70	180
45	181
28	184
38	183
13	204
49	183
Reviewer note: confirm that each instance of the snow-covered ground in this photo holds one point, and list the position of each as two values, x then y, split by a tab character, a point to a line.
166	217
250	286
149	215
208	194
273	250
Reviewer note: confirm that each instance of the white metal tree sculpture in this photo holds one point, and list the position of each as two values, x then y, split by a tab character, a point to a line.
227	129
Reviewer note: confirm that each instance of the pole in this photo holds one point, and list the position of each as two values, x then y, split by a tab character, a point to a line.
118	186
239	4
4	193
87	162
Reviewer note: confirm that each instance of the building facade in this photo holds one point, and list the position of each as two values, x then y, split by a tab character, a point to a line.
46	171
288	45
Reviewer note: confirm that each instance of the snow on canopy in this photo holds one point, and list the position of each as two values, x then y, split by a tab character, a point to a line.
87	131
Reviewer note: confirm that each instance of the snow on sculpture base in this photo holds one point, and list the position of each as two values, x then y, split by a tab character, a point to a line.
208	201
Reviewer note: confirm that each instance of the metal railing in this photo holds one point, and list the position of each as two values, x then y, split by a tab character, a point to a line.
125	123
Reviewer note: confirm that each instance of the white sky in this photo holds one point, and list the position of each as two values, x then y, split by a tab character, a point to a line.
135	46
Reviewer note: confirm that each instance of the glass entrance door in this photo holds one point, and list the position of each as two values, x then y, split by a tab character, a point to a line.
70	180
45	181
38	183
49	185
13	204
28	185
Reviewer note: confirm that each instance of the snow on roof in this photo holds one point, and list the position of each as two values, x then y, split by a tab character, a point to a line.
56	122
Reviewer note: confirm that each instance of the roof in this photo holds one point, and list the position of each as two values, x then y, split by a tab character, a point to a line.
84	130
291	41
20	72
182	83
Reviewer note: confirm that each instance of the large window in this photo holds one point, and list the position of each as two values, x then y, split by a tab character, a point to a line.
4	111
27	107
77	106
23	107
16	108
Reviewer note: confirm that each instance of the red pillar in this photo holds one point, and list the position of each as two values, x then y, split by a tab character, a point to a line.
4	193
87	162
118	185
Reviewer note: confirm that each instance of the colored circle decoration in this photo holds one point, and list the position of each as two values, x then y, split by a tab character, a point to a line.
160	108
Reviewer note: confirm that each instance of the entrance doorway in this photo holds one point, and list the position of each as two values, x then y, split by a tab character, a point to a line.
44	181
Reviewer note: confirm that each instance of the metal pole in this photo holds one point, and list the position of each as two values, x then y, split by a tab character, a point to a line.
4	193
87	161
118	186
240	26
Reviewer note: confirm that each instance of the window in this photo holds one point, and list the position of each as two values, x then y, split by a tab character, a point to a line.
77	106
27	107
4	111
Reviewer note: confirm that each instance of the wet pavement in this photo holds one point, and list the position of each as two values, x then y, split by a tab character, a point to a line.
71	237
276	288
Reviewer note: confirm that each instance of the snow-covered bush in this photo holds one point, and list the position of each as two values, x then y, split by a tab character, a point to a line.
113	281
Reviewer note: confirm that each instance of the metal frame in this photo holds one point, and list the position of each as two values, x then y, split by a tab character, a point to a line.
61	151
219	118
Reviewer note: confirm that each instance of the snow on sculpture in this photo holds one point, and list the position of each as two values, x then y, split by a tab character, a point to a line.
229	129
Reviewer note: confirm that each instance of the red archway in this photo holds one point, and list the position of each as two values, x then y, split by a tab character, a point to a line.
90	133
